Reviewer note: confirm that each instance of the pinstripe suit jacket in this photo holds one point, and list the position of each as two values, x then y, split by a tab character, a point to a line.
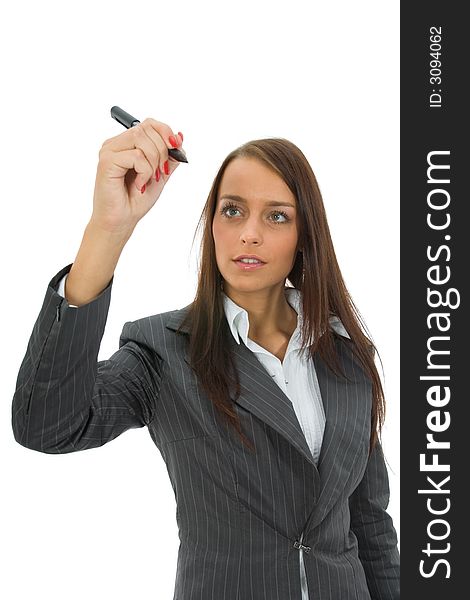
240	514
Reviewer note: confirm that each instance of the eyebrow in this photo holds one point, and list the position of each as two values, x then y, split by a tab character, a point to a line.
268	203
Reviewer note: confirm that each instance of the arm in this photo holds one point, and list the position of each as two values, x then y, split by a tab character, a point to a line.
67	401
373	527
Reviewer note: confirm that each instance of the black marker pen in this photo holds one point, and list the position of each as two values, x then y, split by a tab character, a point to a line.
124	118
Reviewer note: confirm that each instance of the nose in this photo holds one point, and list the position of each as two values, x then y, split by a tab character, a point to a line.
251	234
246	239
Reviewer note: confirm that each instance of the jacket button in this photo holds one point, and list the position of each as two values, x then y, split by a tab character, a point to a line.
300	546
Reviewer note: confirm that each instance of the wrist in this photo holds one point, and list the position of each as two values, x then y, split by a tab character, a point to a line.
116	236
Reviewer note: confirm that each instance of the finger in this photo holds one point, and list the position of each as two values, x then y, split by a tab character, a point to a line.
137	138
172	165
157	132
165	132
118	163
152	137
122	141
153	148
162	128
159	143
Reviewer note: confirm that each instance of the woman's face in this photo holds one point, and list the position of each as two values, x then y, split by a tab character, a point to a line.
248	224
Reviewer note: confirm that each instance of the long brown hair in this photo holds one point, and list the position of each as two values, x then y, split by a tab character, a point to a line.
315	273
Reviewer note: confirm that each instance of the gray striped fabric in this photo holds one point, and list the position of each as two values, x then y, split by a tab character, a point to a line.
295	375
244	518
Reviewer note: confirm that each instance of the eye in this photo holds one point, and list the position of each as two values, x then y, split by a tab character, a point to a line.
231	206
226	207
283	214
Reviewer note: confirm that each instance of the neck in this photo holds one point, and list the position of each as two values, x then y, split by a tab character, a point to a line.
269	313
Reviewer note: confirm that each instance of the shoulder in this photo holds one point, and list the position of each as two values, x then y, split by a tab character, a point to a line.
156	329
338	327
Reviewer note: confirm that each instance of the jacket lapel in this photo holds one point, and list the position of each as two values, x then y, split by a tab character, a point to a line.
347	409
345	445
259	394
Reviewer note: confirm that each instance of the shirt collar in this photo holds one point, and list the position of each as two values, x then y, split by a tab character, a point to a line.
237	317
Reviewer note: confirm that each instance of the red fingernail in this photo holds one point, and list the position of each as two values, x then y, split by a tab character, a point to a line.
166	167
173	141
157	174
143	188
181	135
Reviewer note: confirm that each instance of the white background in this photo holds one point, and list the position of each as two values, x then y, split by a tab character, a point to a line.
101	523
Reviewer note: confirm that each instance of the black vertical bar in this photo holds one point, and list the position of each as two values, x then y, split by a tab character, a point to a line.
435	269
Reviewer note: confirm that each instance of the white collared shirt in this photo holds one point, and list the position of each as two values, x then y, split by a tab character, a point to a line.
295	376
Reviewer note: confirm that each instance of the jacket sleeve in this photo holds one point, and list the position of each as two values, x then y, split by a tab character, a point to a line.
65	400
373	527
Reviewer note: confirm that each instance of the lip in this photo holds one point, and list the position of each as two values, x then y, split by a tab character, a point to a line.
249	256
249	267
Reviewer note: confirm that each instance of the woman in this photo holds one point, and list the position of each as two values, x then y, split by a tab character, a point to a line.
264	400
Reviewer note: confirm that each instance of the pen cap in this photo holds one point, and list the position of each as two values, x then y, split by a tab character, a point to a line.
123	117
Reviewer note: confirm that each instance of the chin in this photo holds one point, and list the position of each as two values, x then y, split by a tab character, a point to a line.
246	286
